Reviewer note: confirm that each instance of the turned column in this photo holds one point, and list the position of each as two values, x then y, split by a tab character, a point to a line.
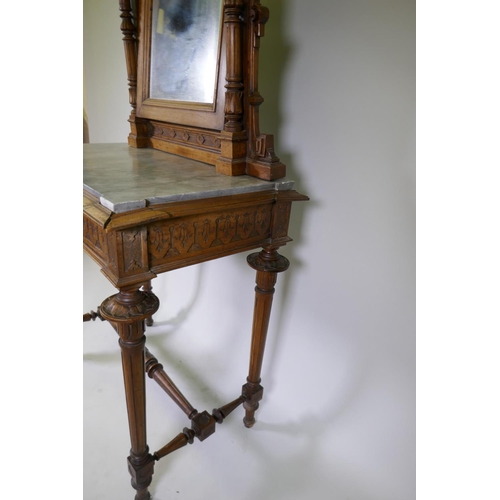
147	287
268	263
128	311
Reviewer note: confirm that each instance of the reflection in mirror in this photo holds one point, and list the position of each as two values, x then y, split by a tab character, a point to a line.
185	37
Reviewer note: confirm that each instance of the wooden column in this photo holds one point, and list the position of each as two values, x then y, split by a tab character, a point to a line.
148	288
233	137
138	130
155	371
128	311
268	263
262	160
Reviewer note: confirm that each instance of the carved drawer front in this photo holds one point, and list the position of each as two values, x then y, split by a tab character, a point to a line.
202	234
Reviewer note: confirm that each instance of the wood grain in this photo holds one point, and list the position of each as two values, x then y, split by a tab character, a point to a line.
225	134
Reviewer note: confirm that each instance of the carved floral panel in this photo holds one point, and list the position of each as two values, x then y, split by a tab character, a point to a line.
196	234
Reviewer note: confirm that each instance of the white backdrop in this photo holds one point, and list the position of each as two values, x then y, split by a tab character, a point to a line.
338	418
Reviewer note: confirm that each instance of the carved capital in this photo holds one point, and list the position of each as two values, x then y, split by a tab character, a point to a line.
269	261
233	7
129	307
234	102
127	26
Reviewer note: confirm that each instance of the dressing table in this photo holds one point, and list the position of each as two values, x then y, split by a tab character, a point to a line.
197	181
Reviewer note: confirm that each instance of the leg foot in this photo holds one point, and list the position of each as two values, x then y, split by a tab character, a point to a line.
252	394
142	475
249	419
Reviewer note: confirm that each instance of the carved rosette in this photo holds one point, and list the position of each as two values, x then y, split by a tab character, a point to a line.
269	261
127	308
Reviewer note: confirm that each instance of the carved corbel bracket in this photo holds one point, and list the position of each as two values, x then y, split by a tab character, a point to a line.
265	148
259	16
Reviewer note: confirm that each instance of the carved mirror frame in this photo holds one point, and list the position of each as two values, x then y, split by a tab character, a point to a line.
226	133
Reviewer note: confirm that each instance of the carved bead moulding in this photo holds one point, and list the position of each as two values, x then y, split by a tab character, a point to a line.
193	82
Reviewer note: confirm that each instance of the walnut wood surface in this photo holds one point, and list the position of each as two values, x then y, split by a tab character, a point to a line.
226	134
155	371
132	247
135	246
268	263
127	311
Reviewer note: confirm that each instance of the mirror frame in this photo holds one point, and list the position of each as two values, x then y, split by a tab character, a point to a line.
226	134
187	113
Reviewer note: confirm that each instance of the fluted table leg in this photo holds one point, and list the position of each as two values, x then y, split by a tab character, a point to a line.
128	311
268	263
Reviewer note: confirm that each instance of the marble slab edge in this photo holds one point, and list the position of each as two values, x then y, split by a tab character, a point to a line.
121	207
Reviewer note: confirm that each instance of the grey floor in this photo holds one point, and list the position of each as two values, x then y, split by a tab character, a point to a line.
336	422
235	463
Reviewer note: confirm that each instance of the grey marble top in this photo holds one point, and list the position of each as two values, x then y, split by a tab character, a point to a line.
126	178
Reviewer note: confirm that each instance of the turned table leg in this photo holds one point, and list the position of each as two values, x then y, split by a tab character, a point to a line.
268	263
148	288
128	311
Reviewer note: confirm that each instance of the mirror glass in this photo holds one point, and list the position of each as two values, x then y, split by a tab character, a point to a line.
185	39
